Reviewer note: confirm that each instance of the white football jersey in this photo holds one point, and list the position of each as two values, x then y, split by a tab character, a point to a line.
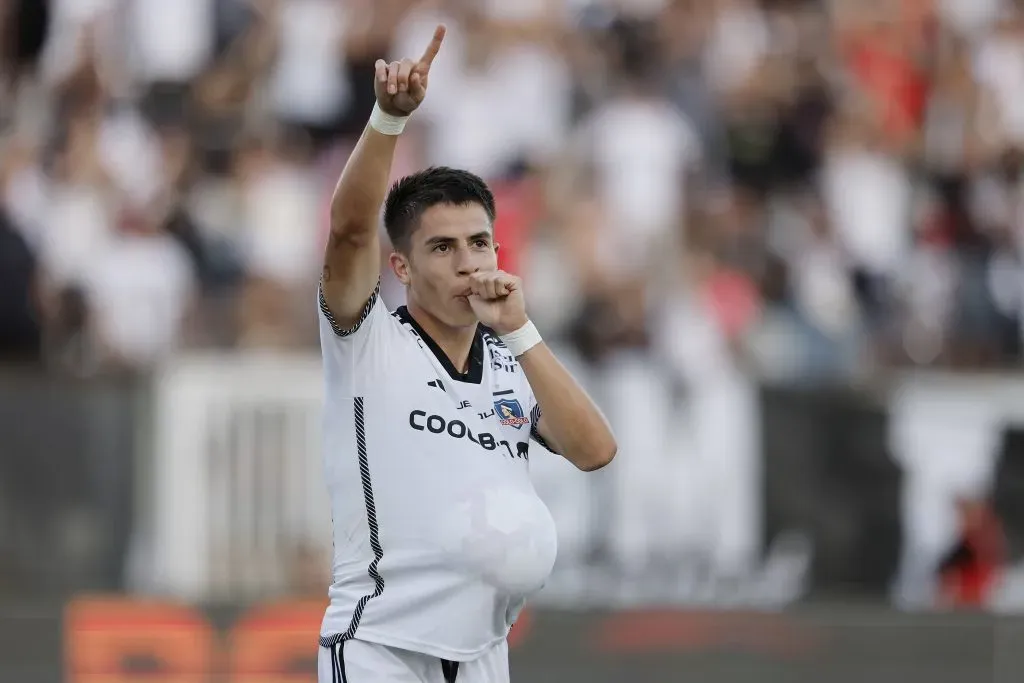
439	536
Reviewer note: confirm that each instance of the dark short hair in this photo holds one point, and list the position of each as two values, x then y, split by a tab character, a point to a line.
414	194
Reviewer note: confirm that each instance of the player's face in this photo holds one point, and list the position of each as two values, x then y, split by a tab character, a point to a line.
451	243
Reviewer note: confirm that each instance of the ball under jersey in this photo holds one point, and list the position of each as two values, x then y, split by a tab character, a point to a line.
439	536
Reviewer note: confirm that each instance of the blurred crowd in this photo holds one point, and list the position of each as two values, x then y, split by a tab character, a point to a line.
803	189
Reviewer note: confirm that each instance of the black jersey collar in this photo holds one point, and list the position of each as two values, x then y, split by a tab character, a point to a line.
474	374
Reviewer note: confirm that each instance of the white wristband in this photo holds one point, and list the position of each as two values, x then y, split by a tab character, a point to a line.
386	123
522	340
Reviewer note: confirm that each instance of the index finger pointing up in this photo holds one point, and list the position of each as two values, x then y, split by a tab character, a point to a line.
435	46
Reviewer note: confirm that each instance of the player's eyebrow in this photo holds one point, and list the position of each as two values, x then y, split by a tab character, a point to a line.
441	239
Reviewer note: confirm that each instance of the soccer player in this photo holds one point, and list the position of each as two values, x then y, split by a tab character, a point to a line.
439	536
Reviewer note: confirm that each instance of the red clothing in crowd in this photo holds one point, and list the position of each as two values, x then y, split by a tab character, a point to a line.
518	209
970	572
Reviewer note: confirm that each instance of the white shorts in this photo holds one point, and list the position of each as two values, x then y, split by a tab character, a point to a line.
357	661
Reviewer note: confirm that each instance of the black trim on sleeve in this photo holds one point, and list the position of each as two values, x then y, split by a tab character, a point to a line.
534	434
338	330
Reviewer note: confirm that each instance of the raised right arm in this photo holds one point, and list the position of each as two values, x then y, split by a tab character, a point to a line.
352	257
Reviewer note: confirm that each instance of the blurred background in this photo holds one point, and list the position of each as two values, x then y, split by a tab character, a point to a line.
780	241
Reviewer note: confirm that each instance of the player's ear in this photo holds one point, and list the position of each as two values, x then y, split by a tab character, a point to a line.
399	266
496	247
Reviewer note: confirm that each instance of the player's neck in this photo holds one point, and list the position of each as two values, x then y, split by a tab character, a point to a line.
455	342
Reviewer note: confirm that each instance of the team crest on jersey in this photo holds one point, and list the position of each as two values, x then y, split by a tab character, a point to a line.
510	413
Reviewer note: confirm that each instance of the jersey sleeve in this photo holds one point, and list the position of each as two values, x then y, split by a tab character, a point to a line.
354	356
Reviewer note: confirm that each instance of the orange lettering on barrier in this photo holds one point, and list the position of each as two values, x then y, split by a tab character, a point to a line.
277	643
121	640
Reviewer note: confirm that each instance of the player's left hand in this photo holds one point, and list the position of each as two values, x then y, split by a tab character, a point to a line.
497	300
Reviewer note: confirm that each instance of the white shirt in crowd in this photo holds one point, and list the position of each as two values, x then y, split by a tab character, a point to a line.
139	289
999	69
868	197
642	150
172	41
76	233
131	155
309	83
969	17
282	219
739	40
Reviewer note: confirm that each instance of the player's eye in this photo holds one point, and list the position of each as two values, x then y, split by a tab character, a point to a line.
441	248
481	244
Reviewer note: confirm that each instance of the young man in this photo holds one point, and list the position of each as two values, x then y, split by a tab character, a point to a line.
438	534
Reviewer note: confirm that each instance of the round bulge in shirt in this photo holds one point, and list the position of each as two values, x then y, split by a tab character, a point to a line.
505	535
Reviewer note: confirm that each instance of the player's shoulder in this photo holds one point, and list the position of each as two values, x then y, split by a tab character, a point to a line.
375	329
402	328
402	321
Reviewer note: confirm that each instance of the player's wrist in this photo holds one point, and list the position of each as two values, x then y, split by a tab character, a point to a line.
521	339
387	123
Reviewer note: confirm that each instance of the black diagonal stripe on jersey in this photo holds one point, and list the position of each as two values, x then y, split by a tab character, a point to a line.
504	393
371	522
